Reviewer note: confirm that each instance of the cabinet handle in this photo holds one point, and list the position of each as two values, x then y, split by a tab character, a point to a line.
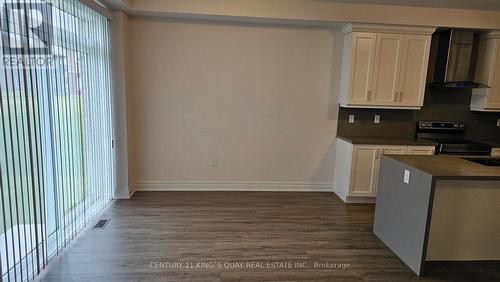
369	95
377	154
400	96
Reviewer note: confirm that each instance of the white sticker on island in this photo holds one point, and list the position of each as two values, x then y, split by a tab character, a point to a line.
406	177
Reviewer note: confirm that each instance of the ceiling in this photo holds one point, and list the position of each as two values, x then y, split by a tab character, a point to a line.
457	4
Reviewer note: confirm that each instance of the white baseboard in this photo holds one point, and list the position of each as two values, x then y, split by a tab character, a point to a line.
132	190
232	186
125	193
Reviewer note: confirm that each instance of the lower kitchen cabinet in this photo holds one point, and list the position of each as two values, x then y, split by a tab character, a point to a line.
357	167
495	152
420	150
393	150
364	172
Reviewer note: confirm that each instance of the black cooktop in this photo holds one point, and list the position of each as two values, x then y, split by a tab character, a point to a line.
450	136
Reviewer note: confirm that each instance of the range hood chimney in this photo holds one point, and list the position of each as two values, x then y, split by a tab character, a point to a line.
452	59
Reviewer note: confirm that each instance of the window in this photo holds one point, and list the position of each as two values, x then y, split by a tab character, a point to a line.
56	155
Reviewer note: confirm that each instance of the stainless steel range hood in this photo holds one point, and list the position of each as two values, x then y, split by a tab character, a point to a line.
452	60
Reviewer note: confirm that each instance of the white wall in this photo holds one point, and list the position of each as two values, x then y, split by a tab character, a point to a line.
259	98
119	44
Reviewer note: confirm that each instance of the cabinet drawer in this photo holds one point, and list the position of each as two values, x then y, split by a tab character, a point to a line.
393	150
421	150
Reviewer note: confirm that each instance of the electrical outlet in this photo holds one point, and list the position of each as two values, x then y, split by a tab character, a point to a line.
498	122
376	119
213	162
406	178
351	118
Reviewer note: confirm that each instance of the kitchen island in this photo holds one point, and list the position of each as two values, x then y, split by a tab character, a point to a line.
438	208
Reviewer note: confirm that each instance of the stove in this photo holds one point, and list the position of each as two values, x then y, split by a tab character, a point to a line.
450	136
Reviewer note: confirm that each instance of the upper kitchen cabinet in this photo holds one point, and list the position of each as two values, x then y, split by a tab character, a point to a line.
385	82
384	66
359	50
487	73
413	71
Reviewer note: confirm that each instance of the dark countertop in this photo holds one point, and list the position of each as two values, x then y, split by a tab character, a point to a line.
449	167
492	143
387	140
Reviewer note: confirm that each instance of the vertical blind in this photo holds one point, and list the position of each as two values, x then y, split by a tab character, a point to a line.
56	168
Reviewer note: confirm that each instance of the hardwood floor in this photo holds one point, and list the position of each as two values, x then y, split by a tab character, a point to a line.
219	230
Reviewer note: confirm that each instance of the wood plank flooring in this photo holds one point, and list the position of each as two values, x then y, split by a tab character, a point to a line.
220	230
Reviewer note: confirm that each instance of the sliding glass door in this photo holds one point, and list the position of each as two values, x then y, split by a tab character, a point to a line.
56	155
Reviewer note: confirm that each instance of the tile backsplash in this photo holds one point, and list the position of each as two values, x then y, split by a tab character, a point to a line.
439	104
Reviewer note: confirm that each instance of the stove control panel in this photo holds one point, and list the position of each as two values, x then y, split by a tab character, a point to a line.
441	125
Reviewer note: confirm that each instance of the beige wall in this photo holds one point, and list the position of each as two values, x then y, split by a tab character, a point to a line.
316	11
259	98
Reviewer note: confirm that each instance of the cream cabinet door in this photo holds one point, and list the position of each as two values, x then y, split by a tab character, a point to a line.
421	150
385	84
364	171
413	70
493	99
363	53
495	152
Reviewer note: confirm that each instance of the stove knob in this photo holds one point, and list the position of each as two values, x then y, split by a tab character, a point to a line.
462	125
422	124
455	125
429	124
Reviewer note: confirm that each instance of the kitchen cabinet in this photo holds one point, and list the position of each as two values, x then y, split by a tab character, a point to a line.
362	57
393	150
413	70
495	152
364	171
365	167
365	178
384	68
357	168
420	150
487	73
